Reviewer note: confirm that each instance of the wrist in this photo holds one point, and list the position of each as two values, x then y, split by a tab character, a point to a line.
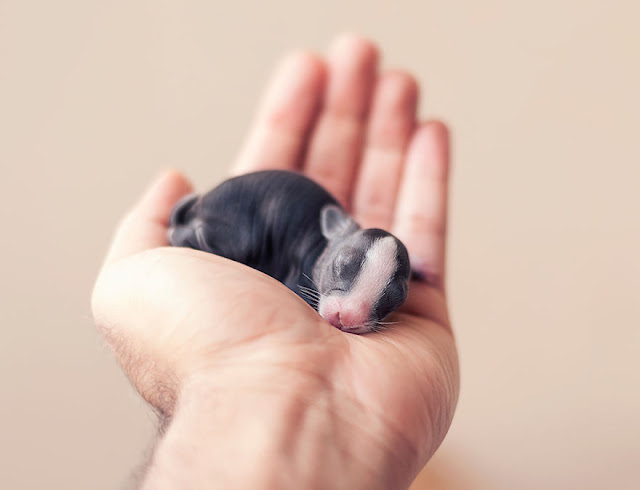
286	430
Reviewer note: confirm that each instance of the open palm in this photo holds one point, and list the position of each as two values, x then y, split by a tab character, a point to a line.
177	315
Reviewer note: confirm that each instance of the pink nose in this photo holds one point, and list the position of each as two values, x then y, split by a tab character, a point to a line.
346	318
351	317
344	313
334	319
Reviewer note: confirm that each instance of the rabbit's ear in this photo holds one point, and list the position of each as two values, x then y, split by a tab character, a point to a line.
335	222
180	210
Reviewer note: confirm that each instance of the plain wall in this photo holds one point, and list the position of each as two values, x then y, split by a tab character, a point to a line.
542	98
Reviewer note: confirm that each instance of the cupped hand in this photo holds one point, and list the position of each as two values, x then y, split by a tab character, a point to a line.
180	317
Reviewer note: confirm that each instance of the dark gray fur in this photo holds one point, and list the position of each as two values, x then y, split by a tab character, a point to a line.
287	226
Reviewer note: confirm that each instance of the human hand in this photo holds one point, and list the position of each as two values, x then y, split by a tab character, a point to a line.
256	385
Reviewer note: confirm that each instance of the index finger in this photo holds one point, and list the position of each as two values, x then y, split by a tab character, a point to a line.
145	226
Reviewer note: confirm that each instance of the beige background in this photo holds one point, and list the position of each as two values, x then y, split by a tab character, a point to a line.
97	97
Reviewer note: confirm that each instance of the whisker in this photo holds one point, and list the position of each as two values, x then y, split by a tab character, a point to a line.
312	281
377	326
310	296
311	301
374	327
309	291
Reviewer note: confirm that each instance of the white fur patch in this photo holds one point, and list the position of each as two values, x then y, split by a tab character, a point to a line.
376	273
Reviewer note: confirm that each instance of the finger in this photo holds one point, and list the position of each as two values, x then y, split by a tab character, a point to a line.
336	144
420	219
389	131
145	226
287	114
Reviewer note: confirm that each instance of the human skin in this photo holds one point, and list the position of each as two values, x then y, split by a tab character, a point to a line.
254	389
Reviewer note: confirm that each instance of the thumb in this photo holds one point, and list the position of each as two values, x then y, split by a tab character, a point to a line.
145	226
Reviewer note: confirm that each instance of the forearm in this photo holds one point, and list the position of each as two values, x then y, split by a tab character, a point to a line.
255	437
